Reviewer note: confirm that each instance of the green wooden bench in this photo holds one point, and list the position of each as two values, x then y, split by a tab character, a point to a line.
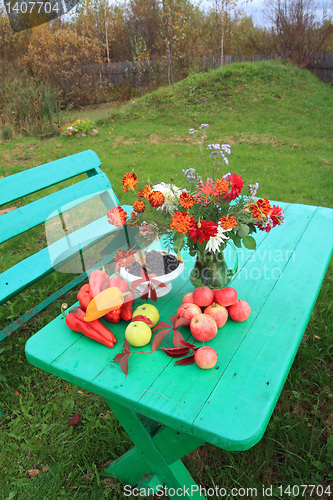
32	269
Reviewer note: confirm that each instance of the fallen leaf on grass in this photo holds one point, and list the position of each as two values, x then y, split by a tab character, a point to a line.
75	419
33	472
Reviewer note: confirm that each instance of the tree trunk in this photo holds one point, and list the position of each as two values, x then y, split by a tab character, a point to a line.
222	33
106	36
170	73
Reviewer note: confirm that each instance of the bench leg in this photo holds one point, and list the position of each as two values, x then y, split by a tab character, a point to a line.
154	462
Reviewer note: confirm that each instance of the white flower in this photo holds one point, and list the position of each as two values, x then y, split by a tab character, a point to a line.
171	195
214	242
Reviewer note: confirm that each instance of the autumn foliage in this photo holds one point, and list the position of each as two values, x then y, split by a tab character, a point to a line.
59	58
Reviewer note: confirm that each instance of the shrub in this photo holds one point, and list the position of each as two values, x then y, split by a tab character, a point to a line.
62	57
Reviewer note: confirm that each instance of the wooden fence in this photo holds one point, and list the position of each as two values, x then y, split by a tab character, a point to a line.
138	73
322	66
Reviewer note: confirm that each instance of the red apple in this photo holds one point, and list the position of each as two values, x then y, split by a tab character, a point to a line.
225	296
188	298
205	357
203	327
239	311
203	296
188	311
217	312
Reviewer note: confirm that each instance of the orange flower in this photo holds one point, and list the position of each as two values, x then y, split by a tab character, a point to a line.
181	222
222	186
124	258
130	181
134	219
156	199
147	191
117	216
140	193
139	206
186	200
228	222
261	209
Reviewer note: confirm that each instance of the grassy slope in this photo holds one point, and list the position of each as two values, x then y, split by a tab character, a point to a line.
277	119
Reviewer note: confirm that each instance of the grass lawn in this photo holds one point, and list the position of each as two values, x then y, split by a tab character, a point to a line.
277	119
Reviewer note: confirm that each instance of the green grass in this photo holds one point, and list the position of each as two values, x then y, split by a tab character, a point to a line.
277	119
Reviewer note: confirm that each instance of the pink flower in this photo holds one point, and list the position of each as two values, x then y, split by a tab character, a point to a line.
208	188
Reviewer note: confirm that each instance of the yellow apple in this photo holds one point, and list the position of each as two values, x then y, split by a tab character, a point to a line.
138	333
149	311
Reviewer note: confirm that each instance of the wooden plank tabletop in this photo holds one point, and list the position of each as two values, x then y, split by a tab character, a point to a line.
230	405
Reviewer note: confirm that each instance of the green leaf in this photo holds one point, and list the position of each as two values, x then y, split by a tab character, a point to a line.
236	239
243	231
249	242
178	242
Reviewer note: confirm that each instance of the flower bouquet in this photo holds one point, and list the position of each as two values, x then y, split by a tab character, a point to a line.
205	216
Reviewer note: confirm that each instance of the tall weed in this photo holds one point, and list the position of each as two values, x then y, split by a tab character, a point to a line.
27	107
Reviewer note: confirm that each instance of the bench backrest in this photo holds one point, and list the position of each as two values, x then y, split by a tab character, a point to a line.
21	219
35	179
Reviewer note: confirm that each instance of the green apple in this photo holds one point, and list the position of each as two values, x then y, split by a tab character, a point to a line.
149	311
138	333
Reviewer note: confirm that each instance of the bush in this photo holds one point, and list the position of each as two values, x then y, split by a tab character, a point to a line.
62	57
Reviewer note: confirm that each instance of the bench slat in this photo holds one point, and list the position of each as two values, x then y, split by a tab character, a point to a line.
35	267
29	216
30	181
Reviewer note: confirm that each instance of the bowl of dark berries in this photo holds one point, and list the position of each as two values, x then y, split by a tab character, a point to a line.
161	267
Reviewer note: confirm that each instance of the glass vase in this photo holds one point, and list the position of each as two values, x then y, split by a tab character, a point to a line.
211	269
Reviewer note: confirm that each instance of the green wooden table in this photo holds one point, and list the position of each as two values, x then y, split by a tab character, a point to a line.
170	410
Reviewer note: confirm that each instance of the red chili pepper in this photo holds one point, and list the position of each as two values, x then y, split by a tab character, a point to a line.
84	296
94	329
118	282
98	281
113	316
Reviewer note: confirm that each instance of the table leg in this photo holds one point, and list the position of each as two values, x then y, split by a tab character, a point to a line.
155	460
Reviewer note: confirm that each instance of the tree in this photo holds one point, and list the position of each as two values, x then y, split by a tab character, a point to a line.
12	45
228	17
172	20
299	33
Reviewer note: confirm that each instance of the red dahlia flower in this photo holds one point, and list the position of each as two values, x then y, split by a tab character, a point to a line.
236	185
203	230
277	215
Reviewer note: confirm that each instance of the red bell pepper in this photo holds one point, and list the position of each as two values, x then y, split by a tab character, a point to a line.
126	309
126	312
113	316
84	296
118	282
98	281
94	329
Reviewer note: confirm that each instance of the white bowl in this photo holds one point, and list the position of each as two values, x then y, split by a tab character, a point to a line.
165	278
